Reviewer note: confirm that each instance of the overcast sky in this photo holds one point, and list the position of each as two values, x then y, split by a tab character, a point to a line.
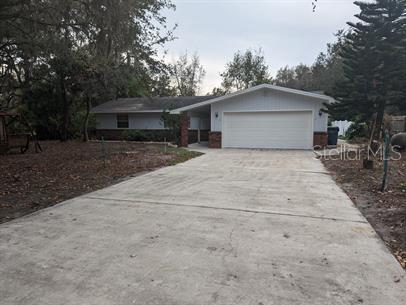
287	30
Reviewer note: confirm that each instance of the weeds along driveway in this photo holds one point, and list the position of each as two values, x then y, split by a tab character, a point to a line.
229	227
65	170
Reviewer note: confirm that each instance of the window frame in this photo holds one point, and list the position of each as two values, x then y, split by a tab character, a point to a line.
122	123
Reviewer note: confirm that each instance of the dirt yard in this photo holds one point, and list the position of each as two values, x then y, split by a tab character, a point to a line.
385	211
30	182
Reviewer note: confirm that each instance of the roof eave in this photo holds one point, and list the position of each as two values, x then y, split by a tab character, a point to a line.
124	111
252	89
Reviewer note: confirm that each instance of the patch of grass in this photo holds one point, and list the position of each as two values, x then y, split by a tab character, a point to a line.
181	154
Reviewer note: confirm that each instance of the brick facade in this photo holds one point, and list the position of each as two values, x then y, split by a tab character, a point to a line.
109	134
156	135
214	139
184	130
193	136
190	136
320	139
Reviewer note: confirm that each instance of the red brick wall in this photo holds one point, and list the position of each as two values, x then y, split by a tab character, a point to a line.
190	136
110	134
204	136
157	135
215	139
184	130
320	139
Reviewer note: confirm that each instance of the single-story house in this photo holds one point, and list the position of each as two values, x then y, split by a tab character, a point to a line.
144	114
263	116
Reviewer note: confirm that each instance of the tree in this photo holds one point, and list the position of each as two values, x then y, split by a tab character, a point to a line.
173	123
187	74
245	70
328	67
321	76
286	77
299	77
374	65
58	57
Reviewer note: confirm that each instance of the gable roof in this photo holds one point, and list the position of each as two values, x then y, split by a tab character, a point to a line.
148	104
322	97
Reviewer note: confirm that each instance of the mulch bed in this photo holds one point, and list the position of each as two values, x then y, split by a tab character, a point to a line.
386	211
29	182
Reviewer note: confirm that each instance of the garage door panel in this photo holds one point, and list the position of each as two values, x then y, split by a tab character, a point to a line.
291	130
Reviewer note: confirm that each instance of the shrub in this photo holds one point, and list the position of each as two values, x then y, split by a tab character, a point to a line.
172	122
135	135
357	130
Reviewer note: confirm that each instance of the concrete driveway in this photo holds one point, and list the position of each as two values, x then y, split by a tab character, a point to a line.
230	227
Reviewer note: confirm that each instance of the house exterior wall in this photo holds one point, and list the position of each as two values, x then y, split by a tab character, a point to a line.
199	120
152	126
202	123
105	121
268	100
146	121
141	121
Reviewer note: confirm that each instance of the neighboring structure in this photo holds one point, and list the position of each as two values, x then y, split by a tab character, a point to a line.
343	125
398	124
20	141
264	116
145	114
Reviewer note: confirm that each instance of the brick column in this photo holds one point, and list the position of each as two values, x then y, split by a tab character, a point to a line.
320	139
214	139
184	130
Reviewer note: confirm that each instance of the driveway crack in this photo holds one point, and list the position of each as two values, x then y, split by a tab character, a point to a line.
226	209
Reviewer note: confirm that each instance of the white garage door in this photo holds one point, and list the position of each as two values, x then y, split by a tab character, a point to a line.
284	130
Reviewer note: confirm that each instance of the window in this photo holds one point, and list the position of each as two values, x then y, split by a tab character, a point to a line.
122	121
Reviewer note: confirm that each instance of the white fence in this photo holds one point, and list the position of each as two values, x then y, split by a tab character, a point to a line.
343	125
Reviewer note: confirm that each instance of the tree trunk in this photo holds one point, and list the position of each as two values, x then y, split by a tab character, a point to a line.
65	113
376	129
374	137
378	125
372	127
86	121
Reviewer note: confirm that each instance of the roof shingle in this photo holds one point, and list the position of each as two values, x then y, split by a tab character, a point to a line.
146	104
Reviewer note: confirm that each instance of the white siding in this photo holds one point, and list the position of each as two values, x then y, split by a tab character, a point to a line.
267	100
106	121
147	121
202	123
194	123
205	123
136	121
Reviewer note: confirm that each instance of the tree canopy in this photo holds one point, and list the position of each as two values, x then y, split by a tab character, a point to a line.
187	74
58	56
245	70
321	75
374	64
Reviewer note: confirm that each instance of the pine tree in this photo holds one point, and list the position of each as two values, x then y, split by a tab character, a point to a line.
374	64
